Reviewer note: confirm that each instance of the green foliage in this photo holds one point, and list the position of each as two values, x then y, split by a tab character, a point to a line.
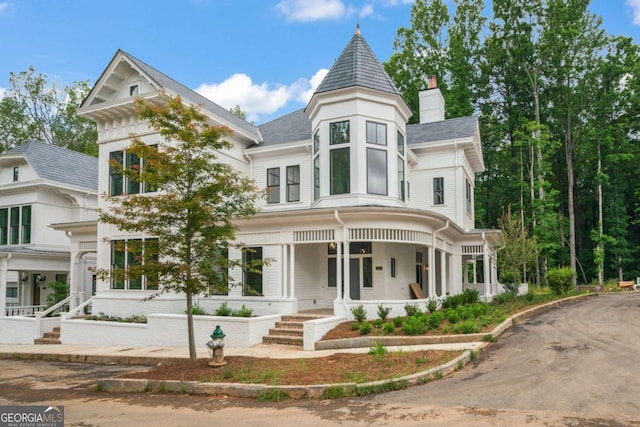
223	310
359	313
388	328
137	318
471	296
365	328
336	392
466	327
355	326
453	301
196	188
432	305
198	311
452	316
383	312
378	323
33	108
398	321
411	309
272	395
59	292
243	311
413	326
378	350
435	319
560	280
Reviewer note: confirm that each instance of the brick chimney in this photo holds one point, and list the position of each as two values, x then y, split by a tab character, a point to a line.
431	102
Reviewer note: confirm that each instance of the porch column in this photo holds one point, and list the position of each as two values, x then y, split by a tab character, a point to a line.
486	269
73	280
431	257
3	284
284	254
347	274
443	273
339	285
292	293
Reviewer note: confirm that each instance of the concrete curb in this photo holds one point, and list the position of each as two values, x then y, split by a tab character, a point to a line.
318	391
90	358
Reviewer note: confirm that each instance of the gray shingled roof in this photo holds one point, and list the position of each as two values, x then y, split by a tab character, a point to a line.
53	163
167	82
357	65
290	128
462	127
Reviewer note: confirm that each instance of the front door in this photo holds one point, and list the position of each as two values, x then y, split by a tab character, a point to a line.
36	289
354	278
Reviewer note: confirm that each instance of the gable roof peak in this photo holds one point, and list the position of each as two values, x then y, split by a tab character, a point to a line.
357	65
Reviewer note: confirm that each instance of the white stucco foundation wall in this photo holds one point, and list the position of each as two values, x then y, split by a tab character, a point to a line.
314	330
168	330
22	330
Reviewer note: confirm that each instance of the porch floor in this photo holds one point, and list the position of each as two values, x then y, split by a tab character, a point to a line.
318	311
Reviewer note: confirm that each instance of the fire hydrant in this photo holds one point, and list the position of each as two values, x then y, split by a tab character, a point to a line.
216	348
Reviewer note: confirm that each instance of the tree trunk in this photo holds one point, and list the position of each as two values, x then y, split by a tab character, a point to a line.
568	147
192	340
600	247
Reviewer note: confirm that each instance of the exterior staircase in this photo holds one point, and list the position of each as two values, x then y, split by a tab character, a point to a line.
50	337
288	330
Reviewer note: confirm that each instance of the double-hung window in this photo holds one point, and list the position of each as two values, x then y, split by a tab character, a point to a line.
15	225
273	185
438	191
293	183
252	271
469	196
339	158
133	264
130	183
377	159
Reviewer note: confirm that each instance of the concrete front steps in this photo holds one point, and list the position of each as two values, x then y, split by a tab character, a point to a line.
288	330
50	337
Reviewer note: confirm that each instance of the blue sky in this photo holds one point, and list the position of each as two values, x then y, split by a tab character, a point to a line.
265	55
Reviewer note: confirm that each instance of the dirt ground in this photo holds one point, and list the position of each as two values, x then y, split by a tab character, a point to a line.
337	368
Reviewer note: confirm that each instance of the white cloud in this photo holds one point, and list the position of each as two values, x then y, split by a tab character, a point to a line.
4	6
366	10
635	5
262	99
313	84
315	10
3	92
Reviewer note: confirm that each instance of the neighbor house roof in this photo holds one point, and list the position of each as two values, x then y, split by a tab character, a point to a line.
53	163
462	127
357	65
164	81
290	128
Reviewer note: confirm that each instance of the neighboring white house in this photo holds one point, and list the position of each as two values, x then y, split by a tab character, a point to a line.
41	184
359	206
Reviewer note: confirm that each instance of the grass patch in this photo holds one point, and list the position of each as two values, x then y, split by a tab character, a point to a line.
272	395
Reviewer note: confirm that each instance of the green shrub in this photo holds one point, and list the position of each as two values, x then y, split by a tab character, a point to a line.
452	315
466	327
272	395
503	298
453	301
465	312
435	319
398	321
470	296
365	328
359	313
378	350
413	326
243	311
388	328
198	311
529	296
383	312
59	292
411	309
560	280
355	326
223	310
479	309
432	305
378	323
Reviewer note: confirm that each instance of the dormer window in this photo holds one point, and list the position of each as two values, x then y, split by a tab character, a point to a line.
16	171
133	90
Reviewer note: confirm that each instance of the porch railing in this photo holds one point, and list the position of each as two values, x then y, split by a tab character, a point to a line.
79	309
23	310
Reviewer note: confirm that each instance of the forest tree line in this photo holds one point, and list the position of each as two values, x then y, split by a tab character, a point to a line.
558	100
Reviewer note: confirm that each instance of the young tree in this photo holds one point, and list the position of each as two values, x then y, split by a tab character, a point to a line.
192	213
518	250
34	108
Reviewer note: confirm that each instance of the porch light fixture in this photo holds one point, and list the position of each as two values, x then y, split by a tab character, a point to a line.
24	277
216	348
332	245
42	278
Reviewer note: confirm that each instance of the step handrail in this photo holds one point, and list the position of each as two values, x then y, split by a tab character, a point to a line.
40	315
76	310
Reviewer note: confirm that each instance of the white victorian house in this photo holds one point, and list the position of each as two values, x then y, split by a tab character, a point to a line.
361	208
360	205
41	184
